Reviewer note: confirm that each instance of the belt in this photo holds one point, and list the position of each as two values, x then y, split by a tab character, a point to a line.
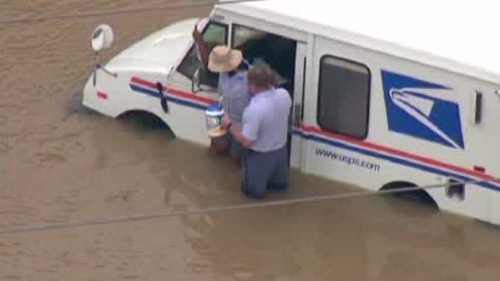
251	151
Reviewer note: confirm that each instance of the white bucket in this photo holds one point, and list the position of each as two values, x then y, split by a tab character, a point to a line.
213	116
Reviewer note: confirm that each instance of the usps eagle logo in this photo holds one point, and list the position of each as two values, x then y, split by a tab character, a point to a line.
423	110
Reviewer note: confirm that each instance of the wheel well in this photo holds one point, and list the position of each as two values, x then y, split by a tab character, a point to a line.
419	196
144	120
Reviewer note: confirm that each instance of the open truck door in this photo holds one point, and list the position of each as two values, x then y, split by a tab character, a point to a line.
190	76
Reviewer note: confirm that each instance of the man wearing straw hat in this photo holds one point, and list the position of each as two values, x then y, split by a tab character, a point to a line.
233	86
263	133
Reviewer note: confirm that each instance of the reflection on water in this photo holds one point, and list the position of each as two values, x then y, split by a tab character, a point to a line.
60	162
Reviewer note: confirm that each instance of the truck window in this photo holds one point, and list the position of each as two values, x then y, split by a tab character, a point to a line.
277	51
344	93
214	34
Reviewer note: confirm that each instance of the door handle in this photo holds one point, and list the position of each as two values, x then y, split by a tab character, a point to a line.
163	97
297	115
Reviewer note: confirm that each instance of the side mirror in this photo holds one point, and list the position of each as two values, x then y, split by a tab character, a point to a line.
102	38
196	81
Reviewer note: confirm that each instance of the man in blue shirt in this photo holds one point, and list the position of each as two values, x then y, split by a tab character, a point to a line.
264	134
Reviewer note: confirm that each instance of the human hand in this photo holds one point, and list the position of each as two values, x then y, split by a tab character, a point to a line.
197	34
226	120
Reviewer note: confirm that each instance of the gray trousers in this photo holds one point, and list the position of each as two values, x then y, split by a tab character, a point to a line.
235	148
265	171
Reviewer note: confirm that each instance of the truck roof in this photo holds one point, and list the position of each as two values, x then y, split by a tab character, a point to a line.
459	36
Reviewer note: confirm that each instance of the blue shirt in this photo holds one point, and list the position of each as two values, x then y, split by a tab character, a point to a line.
265	120
235	93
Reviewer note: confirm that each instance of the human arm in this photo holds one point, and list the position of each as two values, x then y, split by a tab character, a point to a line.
203	48
245	137
239	137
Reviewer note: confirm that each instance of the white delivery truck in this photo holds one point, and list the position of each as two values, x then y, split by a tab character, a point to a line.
387	94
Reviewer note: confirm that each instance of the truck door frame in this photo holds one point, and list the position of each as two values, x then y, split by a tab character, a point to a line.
297	111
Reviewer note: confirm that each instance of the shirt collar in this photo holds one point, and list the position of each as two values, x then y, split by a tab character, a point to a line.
240	70
263	95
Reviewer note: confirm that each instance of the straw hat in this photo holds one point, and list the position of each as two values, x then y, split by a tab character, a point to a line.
224	59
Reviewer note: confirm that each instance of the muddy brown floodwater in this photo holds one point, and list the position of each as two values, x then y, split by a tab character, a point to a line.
62	163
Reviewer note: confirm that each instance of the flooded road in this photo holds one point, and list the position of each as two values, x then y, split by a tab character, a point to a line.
62	163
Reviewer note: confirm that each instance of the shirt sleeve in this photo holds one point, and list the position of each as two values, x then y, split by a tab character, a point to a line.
251	124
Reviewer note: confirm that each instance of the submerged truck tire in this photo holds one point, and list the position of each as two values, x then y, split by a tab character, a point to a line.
417	196
145	120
